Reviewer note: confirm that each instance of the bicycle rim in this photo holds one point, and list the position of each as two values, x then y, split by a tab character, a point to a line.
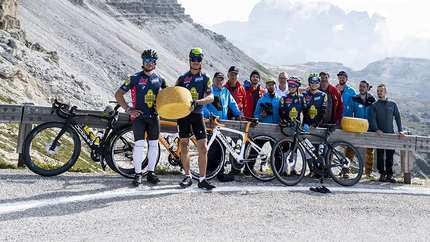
285	161
261	168
121	154
44	161
215	159
346	170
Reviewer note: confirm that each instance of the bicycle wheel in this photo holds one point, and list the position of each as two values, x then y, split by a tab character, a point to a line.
345	171
38	156
286	161
121	154
261	168
215	158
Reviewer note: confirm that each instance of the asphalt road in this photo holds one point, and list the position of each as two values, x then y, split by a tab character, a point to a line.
96	207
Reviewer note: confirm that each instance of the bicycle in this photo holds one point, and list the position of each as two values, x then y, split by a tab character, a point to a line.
122	150
328	159
52	148
254	153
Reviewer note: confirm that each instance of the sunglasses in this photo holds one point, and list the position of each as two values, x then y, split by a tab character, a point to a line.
314	82
196	59
146	60
292	85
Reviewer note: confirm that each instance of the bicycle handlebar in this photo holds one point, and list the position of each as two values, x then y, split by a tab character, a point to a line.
214	120
63	110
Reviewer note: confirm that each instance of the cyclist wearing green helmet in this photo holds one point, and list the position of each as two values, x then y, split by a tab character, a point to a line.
200	86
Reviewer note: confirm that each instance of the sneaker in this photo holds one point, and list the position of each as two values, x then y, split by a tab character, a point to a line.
152	178
186	182
382	178
390	179
137	180
294	172
205	184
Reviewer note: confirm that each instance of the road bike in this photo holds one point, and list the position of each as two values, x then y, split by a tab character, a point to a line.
52	148
328	158
122	153
252	152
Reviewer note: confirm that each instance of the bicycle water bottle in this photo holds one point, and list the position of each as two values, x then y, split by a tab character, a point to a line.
238	146
230	141
321	149
99	136
308	145
89	133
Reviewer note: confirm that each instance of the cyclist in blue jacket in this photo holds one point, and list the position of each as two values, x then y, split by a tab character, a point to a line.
267	106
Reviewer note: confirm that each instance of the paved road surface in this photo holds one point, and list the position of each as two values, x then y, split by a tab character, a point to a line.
96	207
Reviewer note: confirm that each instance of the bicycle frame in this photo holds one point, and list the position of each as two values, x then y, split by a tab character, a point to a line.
217	132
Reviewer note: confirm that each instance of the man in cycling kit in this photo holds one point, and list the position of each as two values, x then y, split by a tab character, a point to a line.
144	87
200	86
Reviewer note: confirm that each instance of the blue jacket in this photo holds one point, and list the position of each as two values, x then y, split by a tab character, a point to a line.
223	100
361	109
274	102
347	93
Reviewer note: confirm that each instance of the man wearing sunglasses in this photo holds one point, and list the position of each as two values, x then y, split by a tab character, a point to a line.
200	86
145	86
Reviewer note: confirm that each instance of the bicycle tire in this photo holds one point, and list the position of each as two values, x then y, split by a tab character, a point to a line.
215	159
39	159
282	151
336	157
264	171
120	156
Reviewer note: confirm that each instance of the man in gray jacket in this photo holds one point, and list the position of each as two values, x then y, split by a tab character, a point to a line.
381	115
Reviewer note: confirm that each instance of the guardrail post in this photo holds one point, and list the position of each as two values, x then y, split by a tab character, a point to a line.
24	129
407	163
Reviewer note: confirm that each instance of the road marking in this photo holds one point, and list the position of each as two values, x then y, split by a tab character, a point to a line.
174	189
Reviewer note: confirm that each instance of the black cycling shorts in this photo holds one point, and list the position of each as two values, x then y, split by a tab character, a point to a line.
194	120
149	125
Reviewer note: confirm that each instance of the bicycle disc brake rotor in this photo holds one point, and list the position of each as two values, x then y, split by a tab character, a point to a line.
346	162
52	152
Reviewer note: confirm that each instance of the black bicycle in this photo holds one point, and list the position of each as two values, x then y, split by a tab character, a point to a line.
54	147
328	159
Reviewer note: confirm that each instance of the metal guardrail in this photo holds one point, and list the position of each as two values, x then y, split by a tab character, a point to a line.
27	115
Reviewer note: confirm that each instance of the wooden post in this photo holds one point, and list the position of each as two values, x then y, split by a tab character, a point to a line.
24	129
407	163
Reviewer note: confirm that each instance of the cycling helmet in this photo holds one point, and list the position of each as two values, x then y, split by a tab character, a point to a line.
149	54
196	52
314	76
294	80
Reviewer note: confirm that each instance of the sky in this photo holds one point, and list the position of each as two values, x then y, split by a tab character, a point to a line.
402	16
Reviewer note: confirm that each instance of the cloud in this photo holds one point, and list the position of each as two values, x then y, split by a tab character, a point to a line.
337	28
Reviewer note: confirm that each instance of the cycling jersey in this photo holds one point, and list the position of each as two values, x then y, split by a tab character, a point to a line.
291	107
200	86
144	91
316	106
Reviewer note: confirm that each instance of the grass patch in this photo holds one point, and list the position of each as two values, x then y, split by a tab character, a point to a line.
5	165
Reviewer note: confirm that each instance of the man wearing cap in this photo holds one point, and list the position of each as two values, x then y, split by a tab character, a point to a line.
253	92
346	91
359	107
335	104
236	90
267	106
223	100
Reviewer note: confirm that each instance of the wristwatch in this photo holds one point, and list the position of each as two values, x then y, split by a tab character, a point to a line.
128	109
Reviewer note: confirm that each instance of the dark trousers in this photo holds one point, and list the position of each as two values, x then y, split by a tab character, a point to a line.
388	170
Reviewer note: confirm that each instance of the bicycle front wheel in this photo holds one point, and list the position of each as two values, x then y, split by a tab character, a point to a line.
289	165
261	168
215	158
45	158
346	164
121	154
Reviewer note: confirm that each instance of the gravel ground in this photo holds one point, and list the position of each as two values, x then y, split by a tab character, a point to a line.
90	207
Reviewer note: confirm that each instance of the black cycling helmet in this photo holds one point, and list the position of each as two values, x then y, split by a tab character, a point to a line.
149	54
196	52
294	80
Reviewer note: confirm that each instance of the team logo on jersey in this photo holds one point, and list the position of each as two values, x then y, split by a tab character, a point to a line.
282	101
143	81
149	98
293	113
194	93
209	83
187	79
127	82
317	98
312	112
198	79
289	100
308	98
